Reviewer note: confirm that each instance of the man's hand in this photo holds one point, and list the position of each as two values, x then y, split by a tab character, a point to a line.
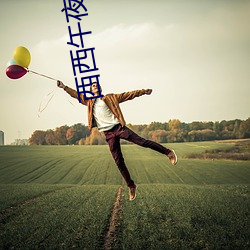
60	84
148	91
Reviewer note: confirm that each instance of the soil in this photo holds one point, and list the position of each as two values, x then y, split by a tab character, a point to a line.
112	231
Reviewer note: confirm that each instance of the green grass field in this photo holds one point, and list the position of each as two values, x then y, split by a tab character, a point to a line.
62	197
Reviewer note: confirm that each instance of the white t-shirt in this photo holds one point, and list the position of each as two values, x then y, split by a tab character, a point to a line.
105	119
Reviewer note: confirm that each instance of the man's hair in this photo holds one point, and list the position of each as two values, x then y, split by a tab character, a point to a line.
90	88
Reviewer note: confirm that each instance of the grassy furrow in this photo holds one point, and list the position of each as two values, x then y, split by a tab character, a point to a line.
12	195
65	219
86	165
67	165
187	217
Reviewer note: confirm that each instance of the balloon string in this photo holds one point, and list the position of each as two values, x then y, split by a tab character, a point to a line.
50	96
51	78
71	103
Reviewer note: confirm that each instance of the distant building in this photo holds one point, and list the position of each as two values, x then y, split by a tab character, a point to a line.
1	138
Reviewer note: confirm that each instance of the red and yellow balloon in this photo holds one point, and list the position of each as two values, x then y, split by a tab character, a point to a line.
17	66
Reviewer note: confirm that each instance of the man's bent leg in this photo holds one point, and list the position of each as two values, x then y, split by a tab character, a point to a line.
115	149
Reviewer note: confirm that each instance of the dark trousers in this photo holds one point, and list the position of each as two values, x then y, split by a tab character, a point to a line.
113	137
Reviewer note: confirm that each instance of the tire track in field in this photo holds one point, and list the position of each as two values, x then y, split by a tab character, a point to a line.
48	169
17	164
176	175
6	214
67	172
46	166
112	229
89	181
84	181
195	178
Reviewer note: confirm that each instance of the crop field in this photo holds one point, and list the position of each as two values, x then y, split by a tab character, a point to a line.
73	197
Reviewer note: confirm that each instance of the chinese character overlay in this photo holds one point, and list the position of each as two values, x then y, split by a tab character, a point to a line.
81	87
80	34
79	58
87	54
74	8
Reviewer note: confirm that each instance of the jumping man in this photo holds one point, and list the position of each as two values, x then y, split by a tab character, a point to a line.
105	114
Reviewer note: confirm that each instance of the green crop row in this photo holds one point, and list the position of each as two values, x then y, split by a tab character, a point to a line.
66	218
94	165
187	217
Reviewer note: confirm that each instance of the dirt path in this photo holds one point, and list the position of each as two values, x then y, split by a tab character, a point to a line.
111	235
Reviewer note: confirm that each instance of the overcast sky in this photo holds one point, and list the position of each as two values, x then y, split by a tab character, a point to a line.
195	55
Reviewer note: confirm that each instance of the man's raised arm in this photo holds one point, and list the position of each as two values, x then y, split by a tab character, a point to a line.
73	93
132	94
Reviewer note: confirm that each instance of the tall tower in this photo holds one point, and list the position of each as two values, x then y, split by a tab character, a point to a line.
1	138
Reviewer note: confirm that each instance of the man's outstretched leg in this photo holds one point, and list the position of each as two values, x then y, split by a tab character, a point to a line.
129	135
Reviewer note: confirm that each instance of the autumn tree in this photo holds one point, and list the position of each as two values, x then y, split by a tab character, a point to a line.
95	138
77	133
159	135
60	134
50	137
175	133
244	129
202	135
157	125
38	138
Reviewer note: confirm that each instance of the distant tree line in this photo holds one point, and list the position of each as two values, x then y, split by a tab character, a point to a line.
172	131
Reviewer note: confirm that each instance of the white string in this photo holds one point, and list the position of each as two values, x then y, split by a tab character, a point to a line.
51	78
49	96
71	103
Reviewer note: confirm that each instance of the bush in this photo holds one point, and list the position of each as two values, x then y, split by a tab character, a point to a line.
240	151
